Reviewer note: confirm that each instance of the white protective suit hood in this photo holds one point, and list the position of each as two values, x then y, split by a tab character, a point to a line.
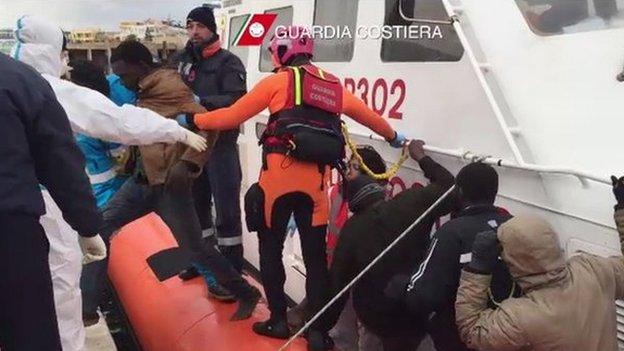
39	44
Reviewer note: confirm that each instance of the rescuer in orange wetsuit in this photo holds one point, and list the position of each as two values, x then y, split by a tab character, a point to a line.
302	142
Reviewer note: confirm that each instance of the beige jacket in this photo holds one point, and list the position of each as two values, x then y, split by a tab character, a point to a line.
567	306
164	92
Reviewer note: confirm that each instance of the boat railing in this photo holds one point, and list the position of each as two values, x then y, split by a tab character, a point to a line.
470	156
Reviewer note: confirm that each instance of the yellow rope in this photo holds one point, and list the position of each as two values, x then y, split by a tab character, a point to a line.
392	170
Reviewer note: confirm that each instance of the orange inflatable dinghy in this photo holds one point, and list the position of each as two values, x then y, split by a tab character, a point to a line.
174	315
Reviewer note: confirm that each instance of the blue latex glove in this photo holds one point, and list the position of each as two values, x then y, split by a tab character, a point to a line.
398	140
181	119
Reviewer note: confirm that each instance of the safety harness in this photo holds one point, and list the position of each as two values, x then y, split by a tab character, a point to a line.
308	128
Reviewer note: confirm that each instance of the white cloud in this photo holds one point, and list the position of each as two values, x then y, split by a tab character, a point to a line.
105	14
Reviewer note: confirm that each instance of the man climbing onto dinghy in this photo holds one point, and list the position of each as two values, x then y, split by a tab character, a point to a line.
162	180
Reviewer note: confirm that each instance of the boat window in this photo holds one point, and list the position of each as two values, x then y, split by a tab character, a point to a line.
412	41
553	17
335	16
284	18
236	25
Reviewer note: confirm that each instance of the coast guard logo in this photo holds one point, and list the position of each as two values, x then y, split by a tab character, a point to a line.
255	29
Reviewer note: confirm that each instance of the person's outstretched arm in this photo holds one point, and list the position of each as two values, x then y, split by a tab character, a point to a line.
405	204
357	110
60	165
93	114
259	98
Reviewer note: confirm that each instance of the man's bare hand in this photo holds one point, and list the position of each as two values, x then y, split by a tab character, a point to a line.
416	149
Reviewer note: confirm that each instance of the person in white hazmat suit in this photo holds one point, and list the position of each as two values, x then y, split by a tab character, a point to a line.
40	45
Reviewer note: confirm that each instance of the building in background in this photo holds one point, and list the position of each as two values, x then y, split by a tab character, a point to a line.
155	31
87	35
162	37
93	44
6	40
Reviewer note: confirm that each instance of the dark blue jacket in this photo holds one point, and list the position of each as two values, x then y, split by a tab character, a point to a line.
218	80
433	285
37	148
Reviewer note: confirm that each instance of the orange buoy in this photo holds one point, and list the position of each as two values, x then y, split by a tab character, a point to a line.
176	315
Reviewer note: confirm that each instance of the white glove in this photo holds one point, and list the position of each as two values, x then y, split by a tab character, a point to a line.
195	141
93	248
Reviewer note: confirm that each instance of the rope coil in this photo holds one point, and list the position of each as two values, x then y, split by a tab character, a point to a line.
392	170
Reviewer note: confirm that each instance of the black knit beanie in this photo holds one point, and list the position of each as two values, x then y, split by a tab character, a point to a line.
203	15
362	192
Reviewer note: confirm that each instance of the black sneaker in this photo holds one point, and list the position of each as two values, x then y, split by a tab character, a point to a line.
189	273
246	305
218	292
272	329
318	341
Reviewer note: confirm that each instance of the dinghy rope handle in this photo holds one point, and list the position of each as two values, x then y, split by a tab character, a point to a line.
392	170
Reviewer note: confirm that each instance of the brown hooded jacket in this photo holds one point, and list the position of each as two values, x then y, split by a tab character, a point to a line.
567	305
164	92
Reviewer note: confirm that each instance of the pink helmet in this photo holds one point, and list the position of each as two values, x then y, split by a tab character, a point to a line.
295	39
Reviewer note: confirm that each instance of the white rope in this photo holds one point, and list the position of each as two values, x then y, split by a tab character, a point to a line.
366	269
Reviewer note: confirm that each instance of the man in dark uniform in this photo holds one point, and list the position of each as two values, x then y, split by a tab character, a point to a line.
218	79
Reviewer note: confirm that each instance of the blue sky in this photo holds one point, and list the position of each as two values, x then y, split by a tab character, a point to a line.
106	14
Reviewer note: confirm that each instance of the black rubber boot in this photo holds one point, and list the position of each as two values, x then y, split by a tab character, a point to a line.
277	329
189	273
246	305
318	341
